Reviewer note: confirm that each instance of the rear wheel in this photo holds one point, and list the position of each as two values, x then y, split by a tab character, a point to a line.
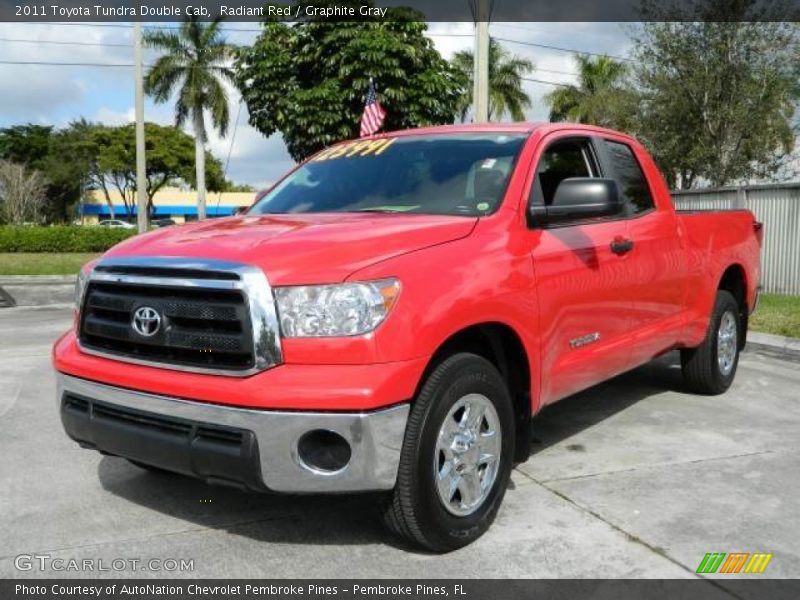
456	458
711	367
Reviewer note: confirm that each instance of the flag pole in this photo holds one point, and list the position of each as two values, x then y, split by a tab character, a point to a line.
375	89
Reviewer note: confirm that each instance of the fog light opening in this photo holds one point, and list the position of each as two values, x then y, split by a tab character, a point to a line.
323	451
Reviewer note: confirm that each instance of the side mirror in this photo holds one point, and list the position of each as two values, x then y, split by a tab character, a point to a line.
579	198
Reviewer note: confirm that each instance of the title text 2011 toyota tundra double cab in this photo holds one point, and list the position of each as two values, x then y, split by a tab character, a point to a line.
392	313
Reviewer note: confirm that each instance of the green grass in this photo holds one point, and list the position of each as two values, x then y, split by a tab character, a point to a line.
777	314
25	263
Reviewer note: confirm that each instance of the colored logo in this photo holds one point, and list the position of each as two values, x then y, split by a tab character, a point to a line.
735	562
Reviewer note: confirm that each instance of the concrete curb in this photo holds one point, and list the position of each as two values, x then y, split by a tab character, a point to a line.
36	279
42	307
37	290
775	344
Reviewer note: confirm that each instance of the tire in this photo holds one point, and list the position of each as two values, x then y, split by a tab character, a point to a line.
417	511
705	370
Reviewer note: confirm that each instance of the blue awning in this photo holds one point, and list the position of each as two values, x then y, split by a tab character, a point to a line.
159	211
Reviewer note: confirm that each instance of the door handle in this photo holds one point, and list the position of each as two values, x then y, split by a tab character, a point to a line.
621	246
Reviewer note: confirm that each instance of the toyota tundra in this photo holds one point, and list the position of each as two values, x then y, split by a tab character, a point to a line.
392	313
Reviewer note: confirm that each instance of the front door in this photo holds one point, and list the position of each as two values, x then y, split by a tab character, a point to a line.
584	286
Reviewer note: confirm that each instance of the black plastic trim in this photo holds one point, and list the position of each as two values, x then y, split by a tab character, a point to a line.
214	453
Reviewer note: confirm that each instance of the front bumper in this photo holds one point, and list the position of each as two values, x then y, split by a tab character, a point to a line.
256	449
307	387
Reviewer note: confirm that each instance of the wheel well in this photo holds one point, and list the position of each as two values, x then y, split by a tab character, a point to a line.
734	280
501	346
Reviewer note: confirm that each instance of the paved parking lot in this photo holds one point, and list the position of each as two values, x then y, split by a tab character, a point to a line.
633	478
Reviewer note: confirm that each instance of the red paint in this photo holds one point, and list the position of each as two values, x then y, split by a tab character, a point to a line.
550	286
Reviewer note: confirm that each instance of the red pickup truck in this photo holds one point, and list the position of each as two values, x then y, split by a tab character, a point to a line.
394	311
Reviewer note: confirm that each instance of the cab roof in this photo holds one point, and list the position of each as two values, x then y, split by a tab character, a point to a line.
519	127
463	128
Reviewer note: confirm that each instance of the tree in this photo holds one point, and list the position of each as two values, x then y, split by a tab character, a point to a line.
601	97
78	143
196	65
170	160
25	144
308	80
506	96
22	193
719	92
56	153
238	187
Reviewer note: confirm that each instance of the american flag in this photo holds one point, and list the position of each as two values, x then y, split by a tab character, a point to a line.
372	118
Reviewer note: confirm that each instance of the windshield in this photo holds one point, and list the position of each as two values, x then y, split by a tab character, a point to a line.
464	174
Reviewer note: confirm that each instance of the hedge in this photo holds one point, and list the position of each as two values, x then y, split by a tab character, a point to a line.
60	238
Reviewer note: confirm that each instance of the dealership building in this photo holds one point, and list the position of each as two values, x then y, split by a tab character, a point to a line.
177	204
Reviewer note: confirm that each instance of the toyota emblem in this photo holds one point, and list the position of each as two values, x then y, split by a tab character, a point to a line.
146	321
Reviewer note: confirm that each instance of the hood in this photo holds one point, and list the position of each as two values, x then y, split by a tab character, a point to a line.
301	248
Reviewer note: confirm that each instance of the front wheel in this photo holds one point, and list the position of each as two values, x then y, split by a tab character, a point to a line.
711	367
456	458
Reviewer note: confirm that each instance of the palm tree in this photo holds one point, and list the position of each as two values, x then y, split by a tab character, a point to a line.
505	82
195	64
597	98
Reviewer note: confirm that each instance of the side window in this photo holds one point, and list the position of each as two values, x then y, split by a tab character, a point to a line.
561	160
633	186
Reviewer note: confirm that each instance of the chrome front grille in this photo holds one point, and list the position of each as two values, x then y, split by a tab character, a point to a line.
200	327
213	316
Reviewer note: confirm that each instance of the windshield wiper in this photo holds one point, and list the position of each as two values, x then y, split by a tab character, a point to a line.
382	210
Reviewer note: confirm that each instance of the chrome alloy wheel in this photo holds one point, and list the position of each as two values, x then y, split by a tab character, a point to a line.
467	454
726	343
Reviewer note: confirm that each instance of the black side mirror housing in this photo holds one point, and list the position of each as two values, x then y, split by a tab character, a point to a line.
579	198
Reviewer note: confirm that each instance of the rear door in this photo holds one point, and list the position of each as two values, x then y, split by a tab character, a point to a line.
584	288
657	256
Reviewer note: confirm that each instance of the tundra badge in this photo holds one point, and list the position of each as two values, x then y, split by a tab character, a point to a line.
584	340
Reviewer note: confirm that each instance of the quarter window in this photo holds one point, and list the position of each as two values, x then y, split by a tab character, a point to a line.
632	184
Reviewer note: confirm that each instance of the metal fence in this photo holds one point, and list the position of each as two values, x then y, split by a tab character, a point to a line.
775	205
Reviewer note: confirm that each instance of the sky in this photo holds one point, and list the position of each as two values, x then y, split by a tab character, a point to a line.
56	94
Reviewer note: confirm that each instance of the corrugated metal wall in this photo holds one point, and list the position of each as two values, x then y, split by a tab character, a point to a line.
778	207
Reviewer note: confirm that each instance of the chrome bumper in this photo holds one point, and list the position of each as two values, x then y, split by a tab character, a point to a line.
375	437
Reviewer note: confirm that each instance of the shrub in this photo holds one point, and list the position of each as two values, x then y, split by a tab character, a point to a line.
60	238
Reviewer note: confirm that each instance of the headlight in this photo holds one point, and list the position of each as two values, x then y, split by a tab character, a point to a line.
335	310
80	283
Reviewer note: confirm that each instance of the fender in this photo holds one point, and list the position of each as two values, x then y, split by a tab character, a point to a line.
437	303
714	248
